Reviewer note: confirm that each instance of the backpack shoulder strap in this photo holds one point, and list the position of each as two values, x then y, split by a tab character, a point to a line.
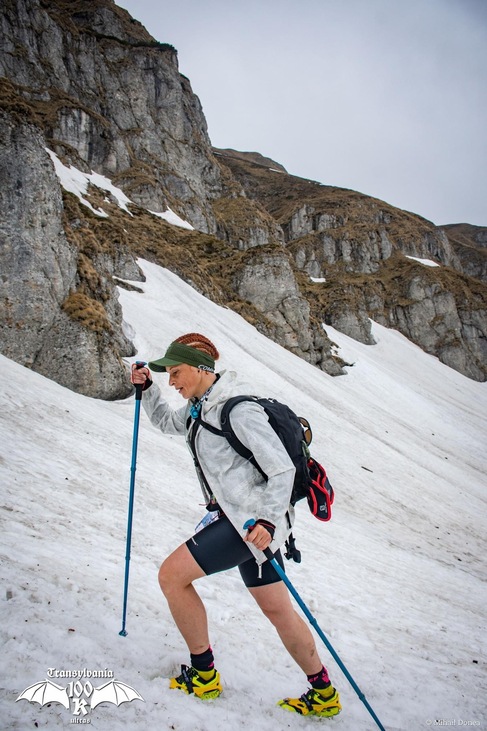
192	448
229	405
227	430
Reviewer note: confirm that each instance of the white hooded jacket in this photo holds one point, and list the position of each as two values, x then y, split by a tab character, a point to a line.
237	486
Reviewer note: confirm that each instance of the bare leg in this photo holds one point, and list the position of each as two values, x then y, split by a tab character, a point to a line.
275	602
176	575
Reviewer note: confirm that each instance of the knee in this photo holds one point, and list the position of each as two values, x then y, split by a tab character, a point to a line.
273	613
172	577
166	578
283	617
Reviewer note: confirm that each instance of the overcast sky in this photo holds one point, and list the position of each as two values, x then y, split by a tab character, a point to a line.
387	97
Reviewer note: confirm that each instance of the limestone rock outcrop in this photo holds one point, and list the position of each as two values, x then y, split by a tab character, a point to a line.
86	84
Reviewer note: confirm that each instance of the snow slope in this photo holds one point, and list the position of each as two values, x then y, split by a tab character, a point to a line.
397	580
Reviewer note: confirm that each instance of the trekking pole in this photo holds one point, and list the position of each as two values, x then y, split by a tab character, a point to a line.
138	397
268	553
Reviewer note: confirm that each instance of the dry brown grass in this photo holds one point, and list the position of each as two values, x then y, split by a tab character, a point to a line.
207	263
202	259
87	311
282	195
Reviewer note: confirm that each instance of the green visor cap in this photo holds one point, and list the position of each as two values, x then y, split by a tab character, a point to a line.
178	353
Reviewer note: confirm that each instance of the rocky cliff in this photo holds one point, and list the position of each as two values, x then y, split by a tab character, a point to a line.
365	259
85	85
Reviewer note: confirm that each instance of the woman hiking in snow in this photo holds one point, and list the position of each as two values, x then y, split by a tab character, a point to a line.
234	490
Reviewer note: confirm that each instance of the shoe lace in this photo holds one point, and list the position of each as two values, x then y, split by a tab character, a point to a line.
307	698
187	673
313	695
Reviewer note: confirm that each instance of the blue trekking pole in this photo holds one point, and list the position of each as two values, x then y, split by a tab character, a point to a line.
268	553
138	397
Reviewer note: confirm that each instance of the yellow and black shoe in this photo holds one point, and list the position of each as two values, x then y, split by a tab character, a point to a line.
314	703
191	681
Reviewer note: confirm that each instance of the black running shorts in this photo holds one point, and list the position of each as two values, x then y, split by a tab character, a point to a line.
219	547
